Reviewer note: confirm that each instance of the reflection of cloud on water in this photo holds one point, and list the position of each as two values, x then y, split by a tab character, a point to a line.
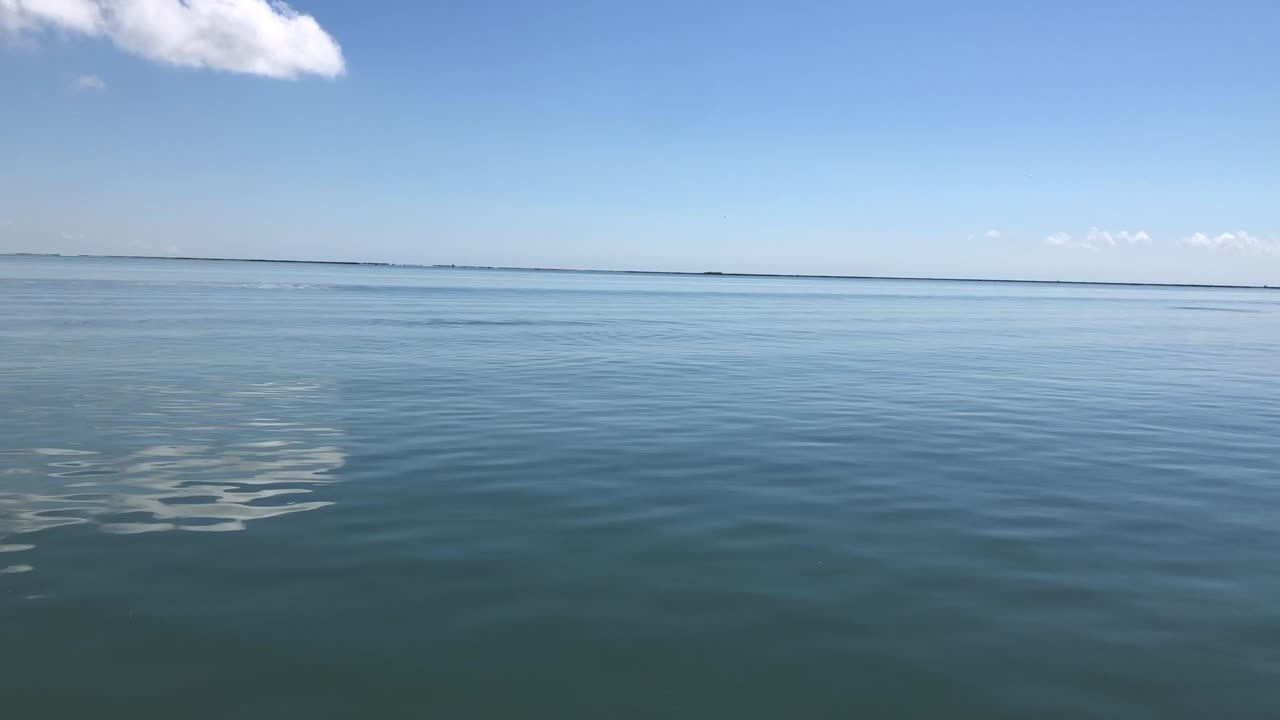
59	452
230	460
177	488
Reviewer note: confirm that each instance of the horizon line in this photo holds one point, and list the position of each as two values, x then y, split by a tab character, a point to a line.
709	273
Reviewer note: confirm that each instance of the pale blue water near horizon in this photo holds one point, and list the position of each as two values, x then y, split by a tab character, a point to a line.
304	491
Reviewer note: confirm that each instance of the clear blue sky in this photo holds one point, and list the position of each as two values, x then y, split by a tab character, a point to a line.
1063	140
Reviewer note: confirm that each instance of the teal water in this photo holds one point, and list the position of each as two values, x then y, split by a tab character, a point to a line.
244	490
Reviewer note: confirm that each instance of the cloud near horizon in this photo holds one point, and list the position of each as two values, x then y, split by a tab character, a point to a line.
254	37
1097	239
1240	241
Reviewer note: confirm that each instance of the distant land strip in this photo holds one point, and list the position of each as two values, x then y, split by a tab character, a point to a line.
710	273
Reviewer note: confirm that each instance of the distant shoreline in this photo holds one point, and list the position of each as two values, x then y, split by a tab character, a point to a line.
651	272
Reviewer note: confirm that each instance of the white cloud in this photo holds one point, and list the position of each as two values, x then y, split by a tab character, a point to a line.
83	16
1240	241
1097	239
994	234
1107	238
89	82
1061	239
245	36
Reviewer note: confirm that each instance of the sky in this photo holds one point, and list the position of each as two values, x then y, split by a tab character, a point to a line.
1107	141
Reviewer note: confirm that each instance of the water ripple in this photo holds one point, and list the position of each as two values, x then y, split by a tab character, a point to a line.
258	465
616	496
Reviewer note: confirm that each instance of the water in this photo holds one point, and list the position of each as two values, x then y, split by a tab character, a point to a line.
297	491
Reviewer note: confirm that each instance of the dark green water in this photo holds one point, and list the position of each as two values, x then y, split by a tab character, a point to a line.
235	490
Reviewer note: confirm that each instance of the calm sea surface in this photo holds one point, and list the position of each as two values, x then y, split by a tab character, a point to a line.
246	490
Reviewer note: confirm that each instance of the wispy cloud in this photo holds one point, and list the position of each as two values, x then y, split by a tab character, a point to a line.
1064	240
1098	239
1240	241
88	82
993	234
244	36
1107	238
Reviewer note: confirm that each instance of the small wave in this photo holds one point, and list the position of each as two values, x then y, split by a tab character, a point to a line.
458	322
1206	308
